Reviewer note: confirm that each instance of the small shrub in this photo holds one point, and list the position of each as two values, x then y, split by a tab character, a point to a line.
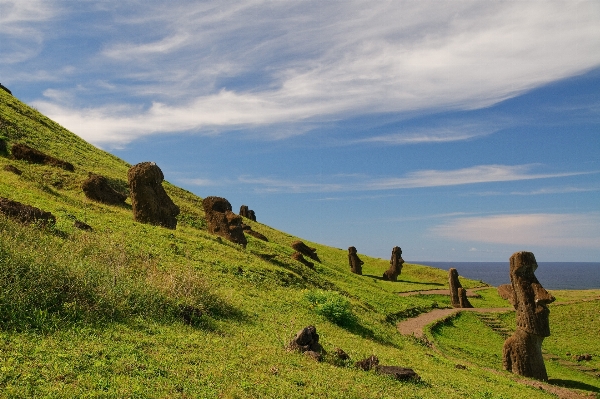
331	305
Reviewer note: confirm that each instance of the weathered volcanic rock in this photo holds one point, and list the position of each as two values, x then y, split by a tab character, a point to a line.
396	263
306	250
354	261
26	153
522	352
12	169
82	226
300	258
307	340
25	213
222	221
367	363
256	234
149	200
96	188
399	373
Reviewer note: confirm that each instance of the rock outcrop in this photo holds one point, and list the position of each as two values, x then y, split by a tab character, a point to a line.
222	221
149	200
522	352
96	188
25	213
307	342
306	250
396	263
354	261
26	153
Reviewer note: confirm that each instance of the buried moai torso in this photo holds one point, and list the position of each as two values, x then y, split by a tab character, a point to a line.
354	260
458	295
222	221
396	263
522	352
149	200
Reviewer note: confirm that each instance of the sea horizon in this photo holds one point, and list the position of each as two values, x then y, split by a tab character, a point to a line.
552	275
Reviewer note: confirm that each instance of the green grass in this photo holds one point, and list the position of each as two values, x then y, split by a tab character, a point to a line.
101	313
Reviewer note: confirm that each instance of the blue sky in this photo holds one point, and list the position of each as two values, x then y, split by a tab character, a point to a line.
459	130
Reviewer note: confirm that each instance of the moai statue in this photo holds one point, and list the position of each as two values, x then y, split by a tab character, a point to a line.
149	200
354	260
396	263
306	250
251	215
522	352
462	298
454	287
244	211
222	221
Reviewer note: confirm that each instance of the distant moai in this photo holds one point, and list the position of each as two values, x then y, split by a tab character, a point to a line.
458	295
306	250
354	260
396	263
522	352
222	221
247	213
149	200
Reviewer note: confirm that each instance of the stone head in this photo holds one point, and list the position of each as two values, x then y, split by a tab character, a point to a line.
529	298
351	250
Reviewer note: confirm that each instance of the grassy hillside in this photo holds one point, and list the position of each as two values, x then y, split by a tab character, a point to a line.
103	313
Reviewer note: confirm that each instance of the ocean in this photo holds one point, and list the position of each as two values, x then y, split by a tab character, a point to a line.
552	275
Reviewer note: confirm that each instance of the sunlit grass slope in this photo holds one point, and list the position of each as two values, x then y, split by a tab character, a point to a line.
106	313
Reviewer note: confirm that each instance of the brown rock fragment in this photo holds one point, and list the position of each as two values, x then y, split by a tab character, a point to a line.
307	342
25	213
149	200
96	188
396	263
82	226
222	221
399	373
12	169
354	260
26	153
367	363
306	250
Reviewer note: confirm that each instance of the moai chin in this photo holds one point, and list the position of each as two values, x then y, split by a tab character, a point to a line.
354	260
522	352
396	263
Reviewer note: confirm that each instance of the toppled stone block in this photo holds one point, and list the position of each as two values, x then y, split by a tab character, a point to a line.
300	258
396	263
96	188
367	363
306	250
354	261
222	221
26	153
522	352
25	213
399	373
149	200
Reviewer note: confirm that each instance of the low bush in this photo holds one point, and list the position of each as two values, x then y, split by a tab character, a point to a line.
332	306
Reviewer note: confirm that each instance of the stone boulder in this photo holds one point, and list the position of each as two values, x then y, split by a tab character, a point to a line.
355	262
300	258
307	341
367	363
306	250
25	213
26	153
399	373
522	352
82	226
222	221
96	188
149	200
396	263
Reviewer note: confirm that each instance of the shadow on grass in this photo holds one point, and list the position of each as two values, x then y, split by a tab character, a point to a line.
573	384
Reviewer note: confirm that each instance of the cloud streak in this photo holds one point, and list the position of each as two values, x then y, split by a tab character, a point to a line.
260	63
524	230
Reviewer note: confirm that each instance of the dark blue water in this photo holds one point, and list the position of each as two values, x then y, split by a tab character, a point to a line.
552	275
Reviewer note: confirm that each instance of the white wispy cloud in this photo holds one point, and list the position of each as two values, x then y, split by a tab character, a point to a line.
308	61
417	179
541	229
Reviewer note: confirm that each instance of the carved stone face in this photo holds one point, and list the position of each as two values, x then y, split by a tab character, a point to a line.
530	299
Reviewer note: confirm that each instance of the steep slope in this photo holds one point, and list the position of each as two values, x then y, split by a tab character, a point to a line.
133	310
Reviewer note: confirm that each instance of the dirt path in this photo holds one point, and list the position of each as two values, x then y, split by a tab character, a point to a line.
471	292
416	325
